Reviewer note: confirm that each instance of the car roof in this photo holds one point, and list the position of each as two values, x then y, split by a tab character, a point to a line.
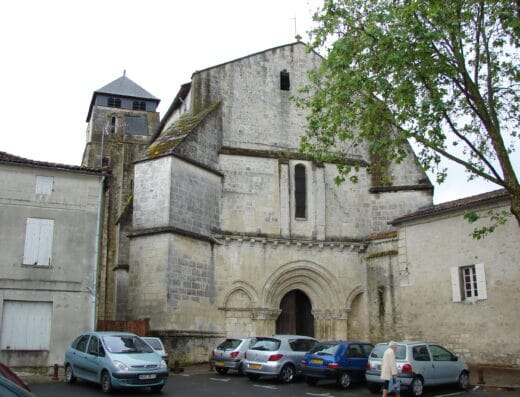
109	333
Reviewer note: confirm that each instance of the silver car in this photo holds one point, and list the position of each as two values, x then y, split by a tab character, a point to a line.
419	364
158	346
278	355
230	355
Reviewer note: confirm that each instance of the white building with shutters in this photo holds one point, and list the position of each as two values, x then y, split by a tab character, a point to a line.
50	223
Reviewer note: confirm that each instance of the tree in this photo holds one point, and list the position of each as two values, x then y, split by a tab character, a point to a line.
442	74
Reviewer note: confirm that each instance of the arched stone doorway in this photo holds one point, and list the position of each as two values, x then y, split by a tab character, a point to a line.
296	316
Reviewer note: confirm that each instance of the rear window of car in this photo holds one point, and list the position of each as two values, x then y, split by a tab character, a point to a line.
229	344
325	349
267	344
379	350
155	343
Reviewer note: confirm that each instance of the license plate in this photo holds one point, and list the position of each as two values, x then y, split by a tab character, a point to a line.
147	376
219	364
255	366
316	361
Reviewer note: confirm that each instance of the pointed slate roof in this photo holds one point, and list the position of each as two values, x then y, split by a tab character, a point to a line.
122	86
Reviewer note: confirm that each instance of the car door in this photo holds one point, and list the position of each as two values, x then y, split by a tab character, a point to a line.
355	359
422	364
93	359
78	356
445	364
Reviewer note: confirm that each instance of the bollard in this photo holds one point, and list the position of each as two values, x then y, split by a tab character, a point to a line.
55	374
210	367
176	368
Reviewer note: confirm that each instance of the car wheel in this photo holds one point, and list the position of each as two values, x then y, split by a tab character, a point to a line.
69	374
344	380
222	371
157	389
416	387
106	384
253	376
464	380
287	373
311	381
374	387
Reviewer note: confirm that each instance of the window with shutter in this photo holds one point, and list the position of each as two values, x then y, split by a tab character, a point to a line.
38	242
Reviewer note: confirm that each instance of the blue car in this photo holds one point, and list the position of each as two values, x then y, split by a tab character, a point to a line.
344	362
115	360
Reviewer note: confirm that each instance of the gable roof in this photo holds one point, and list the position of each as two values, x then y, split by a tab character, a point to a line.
455	205
123	87
7	158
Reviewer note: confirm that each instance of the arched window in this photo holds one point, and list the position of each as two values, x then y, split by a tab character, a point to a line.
112	125
135	105
114	102
300	191
142	105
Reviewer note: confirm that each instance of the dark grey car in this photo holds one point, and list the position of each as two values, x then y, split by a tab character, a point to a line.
230	355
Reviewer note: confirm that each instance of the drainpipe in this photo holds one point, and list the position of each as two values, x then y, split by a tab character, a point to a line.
97	253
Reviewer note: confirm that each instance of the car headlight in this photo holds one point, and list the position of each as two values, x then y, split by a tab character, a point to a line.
120	366
163	364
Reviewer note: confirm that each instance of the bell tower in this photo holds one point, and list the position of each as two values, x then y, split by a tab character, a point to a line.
121	120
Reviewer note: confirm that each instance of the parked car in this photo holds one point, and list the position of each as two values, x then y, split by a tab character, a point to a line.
419	364
158	346
115	360
9	374
230	355
343	361
11	389
278	355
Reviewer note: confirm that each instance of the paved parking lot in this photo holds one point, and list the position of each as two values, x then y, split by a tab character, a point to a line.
201	382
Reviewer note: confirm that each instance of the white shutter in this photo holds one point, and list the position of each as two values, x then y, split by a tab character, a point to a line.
46	234
455	284
44	184
481	281
32	237
26	325
38	242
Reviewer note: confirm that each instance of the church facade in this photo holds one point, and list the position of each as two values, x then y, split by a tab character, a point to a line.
216	226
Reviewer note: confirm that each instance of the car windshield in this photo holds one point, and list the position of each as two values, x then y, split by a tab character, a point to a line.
268	344
229	344
155	343
126	344
379	350
325	349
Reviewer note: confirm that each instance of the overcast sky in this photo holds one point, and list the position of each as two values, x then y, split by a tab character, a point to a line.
55	53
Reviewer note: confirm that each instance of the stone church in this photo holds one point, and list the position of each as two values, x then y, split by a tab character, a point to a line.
217	226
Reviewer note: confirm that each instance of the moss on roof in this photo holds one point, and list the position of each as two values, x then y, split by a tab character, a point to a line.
170	137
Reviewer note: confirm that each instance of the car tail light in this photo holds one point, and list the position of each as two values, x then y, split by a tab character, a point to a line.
303	363
275	357
333	365
407	369
213	353
367	366
233	354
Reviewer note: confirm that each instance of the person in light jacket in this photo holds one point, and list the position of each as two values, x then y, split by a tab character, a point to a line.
389	367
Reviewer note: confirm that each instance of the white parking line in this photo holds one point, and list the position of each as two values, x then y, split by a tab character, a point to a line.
321	395
220	379
267	387
451	394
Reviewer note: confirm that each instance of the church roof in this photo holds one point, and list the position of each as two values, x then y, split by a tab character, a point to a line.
123	86
174	134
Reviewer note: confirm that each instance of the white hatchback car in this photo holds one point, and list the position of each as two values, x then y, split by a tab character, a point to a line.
419	364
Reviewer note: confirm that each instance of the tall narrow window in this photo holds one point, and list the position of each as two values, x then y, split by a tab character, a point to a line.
300	191
285	82
112	125
468	283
